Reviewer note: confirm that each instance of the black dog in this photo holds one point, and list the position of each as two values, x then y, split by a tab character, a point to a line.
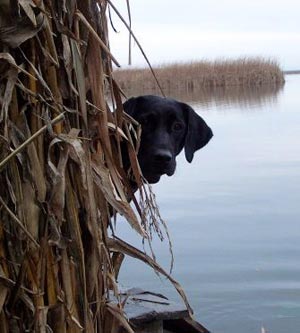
168	126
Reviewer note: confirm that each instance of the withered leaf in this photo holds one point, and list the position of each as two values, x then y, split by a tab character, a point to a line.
27	6
22	30
116	244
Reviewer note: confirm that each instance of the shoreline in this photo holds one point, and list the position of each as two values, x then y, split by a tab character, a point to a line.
292	72
204	74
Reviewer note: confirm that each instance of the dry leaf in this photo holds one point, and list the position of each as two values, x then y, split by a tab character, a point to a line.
22	30
28	6
119	245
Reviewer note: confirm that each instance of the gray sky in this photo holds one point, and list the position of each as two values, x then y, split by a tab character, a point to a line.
176	30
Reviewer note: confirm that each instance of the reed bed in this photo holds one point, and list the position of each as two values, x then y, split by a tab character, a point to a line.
61	171
203	74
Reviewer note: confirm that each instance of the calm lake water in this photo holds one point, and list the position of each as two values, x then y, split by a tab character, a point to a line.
233	215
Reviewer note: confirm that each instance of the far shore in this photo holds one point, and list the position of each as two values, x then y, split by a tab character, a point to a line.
245	72
296	71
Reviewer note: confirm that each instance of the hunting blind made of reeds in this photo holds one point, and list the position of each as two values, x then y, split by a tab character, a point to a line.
61	171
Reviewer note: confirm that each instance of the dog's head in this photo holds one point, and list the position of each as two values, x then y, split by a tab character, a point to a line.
168	126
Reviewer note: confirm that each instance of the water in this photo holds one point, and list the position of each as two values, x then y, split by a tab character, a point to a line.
233	215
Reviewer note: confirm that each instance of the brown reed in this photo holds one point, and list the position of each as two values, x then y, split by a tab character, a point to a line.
203	74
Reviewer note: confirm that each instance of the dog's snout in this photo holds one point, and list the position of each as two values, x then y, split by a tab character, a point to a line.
163	155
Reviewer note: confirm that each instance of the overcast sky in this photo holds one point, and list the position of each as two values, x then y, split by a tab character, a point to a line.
176	30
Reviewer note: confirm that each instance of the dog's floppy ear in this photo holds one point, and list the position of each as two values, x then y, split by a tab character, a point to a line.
130	106
198	133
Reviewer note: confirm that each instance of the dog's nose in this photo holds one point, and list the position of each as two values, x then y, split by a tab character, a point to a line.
163	155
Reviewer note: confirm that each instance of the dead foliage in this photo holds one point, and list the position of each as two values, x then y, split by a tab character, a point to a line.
61	171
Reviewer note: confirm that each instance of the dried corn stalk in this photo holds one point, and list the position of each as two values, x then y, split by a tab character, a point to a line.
61	170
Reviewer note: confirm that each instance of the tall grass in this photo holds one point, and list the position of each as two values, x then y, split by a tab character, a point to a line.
203	74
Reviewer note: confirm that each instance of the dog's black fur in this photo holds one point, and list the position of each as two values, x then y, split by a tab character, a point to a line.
168	126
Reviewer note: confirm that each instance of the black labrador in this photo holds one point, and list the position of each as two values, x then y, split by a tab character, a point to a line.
168	126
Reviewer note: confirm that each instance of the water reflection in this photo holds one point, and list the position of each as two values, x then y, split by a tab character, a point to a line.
244	97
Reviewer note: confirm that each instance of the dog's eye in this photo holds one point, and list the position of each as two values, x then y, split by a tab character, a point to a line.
144	121
177	127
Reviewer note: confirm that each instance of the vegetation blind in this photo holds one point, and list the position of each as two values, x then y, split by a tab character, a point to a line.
61	171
